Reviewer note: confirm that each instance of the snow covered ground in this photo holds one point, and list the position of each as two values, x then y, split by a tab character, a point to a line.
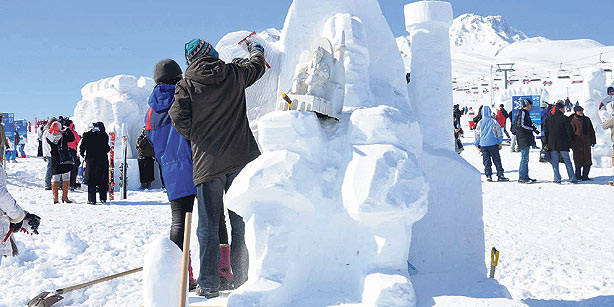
555	240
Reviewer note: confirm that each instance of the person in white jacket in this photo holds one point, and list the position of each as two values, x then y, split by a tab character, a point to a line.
13	219
607	122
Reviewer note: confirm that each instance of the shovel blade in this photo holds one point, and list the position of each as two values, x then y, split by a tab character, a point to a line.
45	300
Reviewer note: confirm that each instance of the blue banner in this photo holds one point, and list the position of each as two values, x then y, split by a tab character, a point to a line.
8	121
21	127
535	112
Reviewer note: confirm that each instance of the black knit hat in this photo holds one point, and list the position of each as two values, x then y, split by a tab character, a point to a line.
578	108
166	72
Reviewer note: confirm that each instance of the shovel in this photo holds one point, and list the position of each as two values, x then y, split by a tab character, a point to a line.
49	298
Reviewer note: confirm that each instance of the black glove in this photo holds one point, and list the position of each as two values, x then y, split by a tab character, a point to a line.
240	61
33	221
254	46
16	226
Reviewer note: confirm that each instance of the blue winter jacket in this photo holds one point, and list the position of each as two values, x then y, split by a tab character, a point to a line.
173	151
488	130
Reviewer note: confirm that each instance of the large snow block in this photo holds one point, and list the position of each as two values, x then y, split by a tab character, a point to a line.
450	237
385	125
431	12
162	274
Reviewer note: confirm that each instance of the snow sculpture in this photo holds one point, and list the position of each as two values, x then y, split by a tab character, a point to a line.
162	274
594	92
119	102
329	205
428	23
319	80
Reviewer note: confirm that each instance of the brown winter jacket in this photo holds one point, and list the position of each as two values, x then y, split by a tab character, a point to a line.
210	111
584	138
144	148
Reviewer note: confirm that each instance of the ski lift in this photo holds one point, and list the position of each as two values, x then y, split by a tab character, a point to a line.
563	73
535	77
526	80
606	66
577	78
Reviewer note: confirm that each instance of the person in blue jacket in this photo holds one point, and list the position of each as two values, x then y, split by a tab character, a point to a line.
488	139
172	150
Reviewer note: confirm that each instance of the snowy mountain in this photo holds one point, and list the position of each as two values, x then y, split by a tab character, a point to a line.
473	34
482	35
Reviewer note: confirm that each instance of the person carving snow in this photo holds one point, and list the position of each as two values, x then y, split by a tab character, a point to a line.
488	139
210	111
13	219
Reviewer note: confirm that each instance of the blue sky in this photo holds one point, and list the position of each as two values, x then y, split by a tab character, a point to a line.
50	49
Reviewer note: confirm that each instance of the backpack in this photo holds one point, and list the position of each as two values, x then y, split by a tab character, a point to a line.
515	124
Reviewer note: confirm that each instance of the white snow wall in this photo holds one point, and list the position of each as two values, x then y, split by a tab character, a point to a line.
594	91
450	238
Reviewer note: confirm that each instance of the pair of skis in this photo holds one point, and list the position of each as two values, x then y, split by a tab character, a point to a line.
123	180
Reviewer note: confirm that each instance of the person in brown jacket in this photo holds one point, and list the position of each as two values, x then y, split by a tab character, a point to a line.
584	138
146	157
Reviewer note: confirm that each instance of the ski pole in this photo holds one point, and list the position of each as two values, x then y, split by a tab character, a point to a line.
494	260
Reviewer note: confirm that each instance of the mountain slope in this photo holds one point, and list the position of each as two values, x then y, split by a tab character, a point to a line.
482	35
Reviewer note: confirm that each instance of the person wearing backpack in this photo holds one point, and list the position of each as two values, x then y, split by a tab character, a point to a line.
61	160
524	128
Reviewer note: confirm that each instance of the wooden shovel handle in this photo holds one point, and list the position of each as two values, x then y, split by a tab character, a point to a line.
93	282
186	259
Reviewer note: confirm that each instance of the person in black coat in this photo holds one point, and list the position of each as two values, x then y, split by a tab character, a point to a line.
524	129
557	140
61	160
94	148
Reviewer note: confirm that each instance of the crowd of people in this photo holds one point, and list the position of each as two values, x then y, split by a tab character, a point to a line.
559	135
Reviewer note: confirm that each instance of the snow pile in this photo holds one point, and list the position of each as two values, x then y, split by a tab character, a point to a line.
119	102
162	274
68	244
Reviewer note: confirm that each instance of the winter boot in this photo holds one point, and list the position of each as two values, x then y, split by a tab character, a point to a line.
207	293
489	178
226	278
65	187
502	178
585	172
55	186
191	280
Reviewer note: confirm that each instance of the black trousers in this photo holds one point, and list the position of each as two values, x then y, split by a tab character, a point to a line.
146	169
40	149
75	170
179	207
91	192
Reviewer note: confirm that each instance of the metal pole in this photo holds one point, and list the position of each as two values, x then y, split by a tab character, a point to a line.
505	72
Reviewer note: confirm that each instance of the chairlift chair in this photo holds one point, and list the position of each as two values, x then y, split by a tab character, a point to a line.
535	77
577	78
563	73
606	66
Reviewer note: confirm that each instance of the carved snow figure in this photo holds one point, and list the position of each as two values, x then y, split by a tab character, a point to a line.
319	80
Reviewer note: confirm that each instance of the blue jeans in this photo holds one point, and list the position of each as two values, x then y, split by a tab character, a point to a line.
554	160
48	174
210	205
22	153
523	170
488	153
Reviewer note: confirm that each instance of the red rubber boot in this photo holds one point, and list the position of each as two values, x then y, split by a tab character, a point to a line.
191	280
226	279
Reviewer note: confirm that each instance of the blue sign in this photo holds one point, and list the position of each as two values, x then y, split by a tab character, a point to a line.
8	121
21	126
535	112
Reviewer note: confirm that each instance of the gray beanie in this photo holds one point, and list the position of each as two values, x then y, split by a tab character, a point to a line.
166	72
